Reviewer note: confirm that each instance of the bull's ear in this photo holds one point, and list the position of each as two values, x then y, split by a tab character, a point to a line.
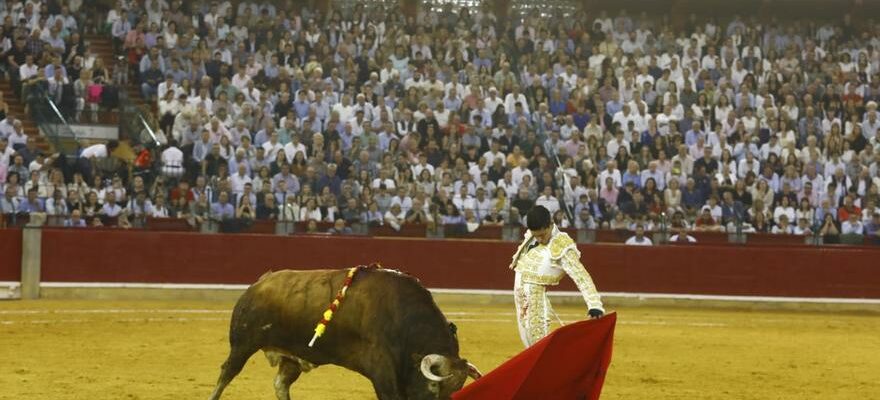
453	329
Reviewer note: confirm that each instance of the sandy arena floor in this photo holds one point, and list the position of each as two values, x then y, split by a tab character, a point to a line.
173	350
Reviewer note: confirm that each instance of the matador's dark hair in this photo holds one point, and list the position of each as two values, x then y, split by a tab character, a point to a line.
538	218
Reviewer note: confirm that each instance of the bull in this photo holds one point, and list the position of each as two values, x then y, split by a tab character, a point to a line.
388	329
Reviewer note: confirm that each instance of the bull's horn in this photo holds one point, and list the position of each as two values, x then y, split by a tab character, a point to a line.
434	360
473	372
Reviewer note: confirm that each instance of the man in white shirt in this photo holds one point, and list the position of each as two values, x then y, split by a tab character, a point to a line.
547	200
383	180
239	179
172	160
513	98
852	226
493	153
293	147
520	171
612	172
639	239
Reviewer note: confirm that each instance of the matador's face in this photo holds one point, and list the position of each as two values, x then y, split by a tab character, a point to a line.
543	235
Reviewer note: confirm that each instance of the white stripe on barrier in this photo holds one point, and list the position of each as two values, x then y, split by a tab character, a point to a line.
669	296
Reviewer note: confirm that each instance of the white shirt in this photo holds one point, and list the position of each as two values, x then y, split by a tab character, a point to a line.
291	149
172	156
238	181
633	241
96	151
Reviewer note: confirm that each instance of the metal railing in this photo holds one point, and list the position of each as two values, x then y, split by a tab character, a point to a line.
53	125
137	124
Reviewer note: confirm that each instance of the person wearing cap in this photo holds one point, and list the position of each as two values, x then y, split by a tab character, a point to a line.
545	255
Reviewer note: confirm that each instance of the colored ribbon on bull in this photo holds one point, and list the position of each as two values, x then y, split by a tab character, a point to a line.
334	305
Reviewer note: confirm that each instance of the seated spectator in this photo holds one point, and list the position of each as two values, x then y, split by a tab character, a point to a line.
872	229
339	228
57	204
222	210
395	217
706	223
372	216
310	211
453	220
620	222
110	208
784	208
417	214
639	239
31	204
681	236
267	210
782	226
803	227
75	220
245	210
829	226
200	211
159	208
493	218
561	220
11	202
852	226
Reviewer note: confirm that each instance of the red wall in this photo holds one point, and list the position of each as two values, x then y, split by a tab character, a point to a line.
174	257
10	254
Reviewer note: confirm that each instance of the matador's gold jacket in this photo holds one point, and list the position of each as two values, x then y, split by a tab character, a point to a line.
546	265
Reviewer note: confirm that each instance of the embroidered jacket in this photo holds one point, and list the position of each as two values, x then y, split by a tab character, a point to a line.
545	265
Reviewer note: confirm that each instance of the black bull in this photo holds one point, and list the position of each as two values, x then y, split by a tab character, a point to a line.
388	329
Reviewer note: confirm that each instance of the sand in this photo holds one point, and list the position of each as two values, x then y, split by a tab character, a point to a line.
173	350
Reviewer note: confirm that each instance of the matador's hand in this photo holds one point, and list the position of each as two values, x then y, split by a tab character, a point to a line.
596	313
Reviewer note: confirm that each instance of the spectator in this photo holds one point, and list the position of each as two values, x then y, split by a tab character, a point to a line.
782	226
852	226
32	204
267	210
110	208
75	220
872	229
310	212
339	228
395	217
639	239
222	210
706	222
681	236
803	227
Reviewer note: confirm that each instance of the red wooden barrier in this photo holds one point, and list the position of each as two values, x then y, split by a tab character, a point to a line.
171	257
168	224
10	255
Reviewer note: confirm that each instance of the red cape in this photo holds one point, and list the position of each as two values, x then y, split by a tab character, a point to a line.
570	363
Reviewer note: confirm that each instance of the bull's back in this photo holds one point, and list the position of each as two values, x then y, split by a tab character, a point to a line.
293	295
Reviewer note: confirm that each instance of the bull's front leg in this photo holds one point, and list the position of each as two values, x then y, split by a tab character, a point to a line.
383	376
386	388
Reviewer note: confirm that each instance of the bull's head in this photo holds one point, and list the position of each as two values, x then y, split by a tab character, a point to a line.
440	376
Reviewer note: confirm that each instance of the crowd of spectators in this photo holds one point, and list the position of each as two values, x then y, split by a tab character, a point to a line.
455	117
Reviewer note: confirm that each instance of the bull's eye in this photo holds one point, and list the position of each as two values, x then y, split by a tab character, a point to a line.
434	387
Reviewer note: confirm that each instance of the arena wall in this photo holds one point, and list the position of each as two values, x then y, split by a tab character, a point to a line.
10	255
706	269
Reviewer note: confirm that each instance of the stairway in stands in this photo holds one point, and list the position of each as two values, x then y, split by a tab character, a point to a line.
16	108
103	47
